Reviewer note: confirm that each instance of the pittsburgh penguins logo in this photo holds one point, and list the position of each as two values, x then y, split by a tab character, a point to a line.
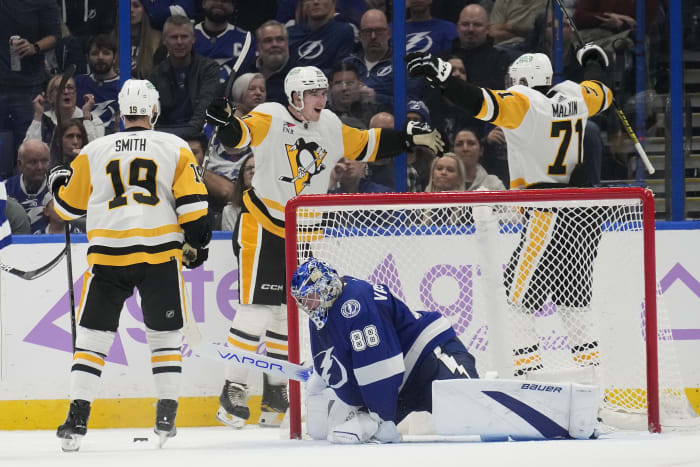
305	160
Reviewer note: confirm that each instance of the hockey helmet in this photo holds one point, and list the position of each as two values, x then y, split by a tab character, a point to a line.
315	286
531	70
139	97
303	78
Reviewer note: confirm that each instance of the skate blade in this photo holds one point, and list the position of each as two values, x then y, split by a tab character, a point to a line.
162	438
229	420
71	444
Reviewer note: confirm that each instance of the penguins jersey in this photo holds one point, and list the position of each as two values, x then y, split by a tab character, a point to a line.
293	158
544	133
371	343
136	187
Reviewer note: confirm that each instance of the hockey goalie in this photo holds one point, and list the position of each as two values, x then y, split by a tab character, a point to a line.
376	361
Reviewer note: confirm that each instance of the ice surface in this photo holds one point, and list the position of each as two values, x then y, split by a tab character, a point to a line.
258	447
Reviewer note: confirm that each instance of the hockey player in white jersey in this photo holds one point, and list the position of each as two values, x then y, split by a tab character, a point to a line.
378	356
144	199
544	128
295	149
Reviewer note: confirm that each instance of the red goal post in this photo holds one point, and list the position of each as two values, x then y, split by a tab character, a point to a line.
326	225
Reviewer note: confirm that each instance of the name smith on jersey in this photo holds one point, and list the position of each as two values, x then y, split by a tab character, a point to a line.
130	144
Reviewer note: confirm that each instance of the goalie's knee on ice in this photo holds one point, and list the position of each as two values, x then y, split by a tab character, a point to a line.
515	408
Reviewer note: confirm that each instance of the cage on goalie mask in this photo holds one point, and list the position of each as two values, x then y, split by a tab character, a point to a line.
315	286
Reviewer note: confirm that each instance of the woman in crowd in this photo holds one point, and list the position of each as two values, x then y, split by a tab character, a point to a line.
467	146
231	211
45	119
73	138
447	173
247	92
144	41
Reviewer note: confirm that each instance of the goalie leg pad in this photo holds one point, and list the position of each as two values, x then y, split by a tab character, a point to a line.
521	410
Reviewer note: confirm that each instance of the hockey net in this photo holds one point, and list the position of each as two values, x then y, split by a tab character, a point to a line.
521	310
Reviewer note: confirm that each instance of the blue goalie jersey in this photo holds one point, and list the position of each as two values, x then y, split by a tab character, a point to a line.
371	344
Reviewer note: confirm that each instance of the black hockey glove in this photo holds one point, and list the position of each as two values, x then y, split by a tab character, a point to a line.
435	70
219	112
592	51
194	257
59	176
421	134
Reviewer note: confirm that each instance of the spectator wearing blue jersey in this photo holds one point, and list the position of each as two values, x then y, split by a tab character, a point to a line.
318	38
350	98
273	60
361	334
29	186
425	33
160	10
215	37
102	82
186	81
374	61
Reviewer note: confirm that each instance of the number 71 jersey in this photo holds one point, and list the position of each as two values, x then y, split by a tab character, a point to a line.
544	133
136	187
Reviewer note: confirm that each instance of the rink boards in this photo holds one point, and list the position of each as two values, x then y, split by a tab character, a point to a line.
35	341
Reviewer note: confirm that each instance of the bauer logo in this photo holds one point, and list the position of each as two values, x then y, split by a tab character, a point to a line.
541	387
350	309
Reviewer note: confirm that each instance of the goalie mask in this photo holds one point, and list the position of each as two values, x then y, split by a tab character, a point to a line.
530	70
315	287
139	97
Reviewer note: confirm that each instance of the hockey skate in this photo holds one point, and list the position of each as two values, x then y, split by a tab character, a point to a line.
74	428
234	409
274	403
166	410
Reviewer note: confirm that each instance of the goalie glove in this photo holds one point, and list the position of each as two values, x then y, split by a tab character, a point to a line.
362	427
219	112
59	176
194	257
592	51
434	69
421	134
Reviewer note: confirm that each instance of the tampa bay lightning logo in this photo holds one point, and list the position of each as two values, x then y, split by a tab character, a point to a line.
332	371
350	309
310	50
384	71
419	42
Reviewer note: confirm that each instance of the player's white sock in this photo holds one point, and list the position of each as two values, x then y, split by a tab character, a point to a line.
526	348
166	362
580	328
91	349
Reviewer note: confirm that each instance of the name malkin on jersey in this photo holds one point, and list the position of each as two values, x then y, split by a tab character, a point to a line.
565	110
130	144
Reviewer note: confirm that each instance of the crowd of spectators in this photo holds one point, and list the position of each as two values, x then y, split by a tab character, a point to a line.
187	49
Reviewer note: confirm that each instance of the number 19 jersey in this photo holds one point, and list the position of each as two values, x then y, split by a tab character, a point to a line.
544	133
136	187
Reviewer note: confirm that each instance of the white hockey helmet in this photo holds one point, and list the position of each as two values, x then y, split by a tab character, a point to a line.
530	70
303	78
139	97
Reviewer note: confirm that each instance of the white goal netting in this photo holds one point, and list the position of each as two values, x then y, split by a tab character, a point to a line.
540	284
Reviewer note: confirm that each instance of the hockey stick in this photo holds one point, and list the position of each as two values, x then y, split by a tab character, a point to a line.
253	361
67	74
227	94
620	114
36	273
